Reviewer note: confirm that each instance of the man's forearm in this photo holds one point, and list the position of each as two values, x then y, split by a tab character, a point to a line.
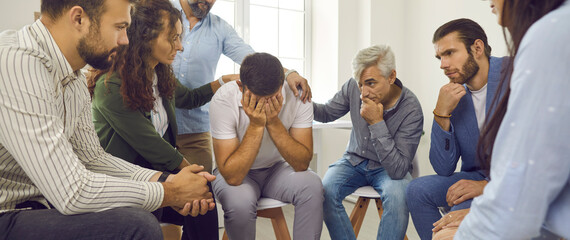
295	153
238	164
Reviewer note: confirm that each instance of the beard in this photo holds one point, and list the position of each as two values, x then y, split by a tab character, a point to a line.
468	70
90	52
197	11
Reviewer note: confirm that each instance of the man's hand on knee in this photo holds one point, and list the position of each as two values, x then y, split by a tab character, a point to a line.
464	190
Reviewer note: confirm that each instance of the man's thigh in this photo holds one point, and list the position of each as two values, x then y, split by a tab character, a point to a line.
386	186
119	223
284	183
342	179
244	195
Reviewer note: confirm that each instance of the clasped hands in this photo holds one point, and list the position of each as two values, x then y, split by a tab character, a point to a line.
262	111
190	183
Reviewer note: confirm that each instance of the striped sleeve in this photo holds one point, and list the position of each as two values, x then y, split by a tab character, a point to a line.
45	127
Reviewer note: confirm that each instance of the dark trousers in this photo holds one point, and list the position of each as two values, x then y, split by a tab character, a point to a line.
118	223
202	227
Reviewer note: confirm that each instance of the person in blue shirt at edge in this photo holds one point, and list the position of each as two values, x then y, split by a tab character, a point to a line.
461	46
206	37
524	143
387	123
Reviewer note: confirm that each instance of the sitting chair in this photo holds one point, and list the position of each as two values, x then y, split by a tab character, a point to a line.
271	208
364	195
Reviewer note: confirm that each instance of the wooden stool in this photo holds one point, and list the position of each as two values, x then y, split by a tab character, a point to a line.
271	208
364	195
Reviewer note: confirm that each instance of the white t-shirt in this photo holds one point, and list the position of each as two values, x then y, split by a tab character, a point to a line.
228	120
479	102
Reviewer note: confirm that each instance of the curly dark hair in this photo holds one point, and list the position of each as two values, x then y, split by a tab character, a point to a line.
132	63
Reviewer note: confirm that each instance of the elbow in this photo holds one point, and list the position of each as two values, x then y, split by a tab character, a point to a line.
234	181
300	167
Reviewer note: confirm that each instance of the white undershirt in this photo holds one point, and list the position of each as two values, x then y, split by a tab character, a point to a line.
479	101
158	115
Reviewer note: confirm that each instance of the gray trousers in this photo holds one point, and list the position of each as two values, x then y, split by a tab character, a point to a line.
303	189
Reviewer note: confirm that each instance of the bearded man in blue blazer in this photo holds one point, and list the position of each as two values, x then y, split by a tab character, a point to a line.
462	105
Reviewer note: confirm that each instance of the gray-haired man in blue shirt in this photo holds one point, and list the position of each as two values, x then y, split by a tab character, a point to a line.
387	123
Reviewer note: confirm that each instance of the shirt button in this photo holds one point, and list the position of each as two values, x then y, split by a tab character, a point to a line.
185	59
182	75
365	138
363	152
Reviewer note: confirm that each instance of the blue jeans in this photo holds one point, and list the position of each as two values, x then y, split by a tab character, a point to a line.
426	194
118	223
343	179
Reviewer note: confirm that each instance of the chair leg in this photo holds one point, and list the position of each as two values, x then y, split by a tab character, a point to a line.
381	210
225	236
278	222
358	212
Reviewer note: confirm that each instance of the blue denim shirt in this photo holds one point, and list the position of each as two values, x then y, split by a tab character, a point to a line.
196	65
391	143
530	169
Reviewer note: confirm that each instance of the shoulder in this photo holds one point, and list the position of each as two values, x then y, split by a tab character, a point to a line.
107	89
227	93
550	31
217	22
409	98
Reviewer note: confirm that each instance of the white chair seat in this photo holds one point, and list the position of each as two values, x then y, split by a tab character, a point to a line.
366	191
266	203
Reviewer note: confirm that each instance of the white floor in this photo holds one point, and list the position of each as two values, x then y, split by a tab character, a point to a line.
367	232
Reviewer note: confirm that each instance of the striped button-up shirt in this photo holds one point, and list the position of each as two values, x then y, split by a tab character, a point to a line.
49	151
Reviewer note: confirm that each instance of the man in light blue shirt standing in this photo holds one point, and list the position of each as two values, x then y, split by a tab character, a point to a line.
206	37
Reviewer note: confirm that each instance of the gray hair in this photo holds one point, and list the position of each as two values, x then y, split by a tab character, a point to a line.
377	55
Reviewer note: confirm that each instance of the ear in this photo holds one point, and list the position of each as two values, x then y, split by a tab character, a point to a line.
79	19
478	48
239	85
392	77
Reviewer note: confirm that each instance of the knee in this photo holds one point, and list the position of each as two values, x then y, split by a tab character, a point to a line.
240	206
310	186
416	190
394	194
413	189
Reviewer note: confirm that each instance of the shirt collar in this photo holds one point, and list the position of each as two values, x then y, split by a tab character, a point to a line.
63	71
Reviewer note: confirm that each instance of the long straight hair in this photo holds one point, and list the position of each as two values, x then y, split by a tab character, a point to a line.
517	17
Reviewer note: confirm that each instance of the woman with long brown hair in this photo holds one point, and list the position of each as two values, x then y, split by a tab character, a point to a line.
134	101
528	195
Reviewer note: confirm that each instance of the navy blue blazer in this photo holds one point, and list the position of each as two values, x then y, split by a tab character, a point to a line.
461	140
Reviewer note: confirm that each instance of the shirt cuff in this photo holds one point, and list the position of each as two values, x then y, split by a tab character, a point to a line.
379	130
154	196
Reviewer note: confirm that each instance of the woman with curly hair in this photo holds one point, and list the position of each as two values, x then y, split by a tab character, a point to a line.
134	101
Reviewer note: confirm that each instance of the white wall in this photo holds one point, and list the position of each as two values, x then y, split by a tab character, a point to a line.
406	25
16	14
